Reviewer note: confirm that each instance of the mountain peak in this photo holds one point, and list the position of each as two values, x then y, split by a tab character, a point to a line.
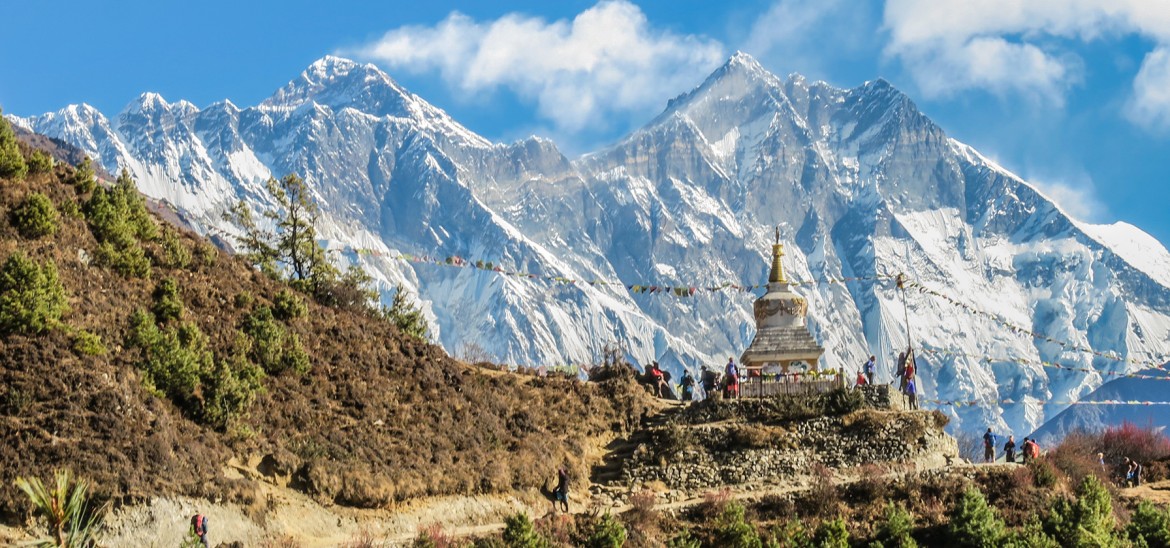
743	60
339	82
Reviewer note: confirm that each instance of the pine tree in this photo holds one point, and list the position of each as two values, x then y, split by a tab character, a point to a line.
895	529
406	315
12	164
1086	521
973	523
31	296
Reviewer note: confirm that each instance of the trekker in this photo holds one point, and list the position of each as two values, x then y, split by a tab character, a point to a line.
988	446
732	378
659	379
1009	449
869	368
912	394
1026	449
199	527
710	379
1137	474
688	386
861	378
1101	461
561	493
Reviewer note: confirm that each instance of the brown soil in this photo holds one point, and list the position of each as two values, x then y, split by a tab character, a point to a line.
380	418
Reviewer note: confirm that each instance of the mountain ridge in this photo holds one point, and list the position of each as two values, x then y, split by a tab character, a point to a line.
861	181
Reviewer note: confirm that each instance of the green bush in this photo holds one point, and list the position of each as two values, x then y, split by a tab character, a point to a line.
12	164
88	344
229	391
65	509
168	304
1086	521
684	539
40	162
973	523
205	254
520	533
1150	525
31	296
607	533
896	527
173	359
831	534
174	253
83	179
119	220
274	348
733	531
406	315
286	305
35	217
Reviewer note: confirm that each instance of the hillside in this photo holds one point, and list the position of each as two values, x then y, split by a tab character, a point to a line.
862	184
375	418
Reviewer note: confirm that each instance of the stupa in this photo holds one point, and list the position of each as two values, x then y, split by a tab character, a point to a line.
783	343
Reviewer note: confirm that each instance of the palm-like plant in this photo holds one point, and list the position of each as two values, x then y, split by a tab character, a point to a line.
64	506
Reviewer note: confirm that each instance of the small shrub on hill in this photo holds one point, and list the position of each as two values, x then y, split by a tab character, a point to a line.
1149	525
1144	444
31	296
65	510
1086	521
608	532
118	218
732	529
274	348
88	344
83	179
173	253
831	534
12	164
406	315
168	304
40	162
35	217
973	523
520	533
896	528
286	306
230	390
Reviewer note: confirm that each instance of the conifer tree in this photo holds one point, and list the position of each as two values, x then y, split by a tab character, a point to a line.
12	164
973	523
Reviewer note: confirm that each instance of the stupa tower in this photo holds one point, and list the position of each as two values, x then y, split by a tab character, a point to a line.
782	340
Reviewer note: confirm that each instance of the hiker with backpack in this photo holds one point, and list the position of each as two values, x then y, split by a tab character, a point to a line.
1009	449
561	493
710	381
199	527
659	379
688	386
869	368
731	376
988	446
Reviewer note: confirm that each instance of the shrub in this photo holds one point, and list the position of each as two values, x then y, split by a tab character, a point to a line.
12	164
831	534
608	532
40	162
243	299
174	253
286	305
1031	535
973	522
1150	525
35	217
1143	444
205	254
119	220
273	347
168	305
406	315
65	509
896	527
83	179
130	261
1087	521
31	296
88	344
519	533
732	530
684	539
229	391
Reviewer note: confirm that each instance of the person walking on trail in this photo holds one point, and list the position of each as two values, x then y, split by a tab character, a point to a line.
1009	449
912	394
199	527
869	368
710	380
988	446
561	493
1101	461
659	379
731	373
688	386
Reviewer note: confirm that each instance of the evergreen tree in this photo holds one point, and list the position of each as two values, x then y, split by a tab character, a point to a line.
520	533
1086	521
406	315
40	162
973	523
31	296
35	217
257	243
1149	525
84	179
896	528
607	533
733	531
831	534
12	164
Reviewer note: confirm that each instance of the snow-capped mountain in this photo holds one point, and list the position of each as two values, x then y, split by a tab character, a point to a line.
861	184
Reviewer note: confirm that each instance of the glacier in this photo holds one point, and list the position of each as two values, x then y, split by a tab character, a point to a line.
862	185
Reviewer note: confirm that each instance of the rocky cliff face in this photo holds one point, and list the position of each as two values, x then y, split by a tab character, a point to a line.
862	183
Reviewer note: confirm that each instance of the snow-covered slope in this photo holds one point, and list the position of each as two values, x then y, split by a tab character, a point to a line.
1094	417
861	184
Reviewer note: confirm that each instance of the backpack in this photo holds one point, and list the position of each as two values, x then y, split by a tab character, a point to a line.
199	522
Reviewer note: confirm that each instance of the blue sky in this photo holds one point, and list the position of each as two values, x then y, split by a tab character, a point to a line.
1073	95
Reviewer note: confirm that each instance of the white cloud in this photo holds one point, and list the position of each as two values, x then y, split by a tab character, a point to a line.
795	33
608	60
1077	199
1010	46
1150	104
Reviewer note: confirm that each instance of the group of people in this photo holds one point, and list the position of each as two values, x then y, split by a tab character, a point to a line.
711	382
907	382
1029	449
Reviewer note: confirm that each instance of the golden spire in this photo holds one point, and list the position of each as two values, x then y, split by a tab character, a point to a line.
777	274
